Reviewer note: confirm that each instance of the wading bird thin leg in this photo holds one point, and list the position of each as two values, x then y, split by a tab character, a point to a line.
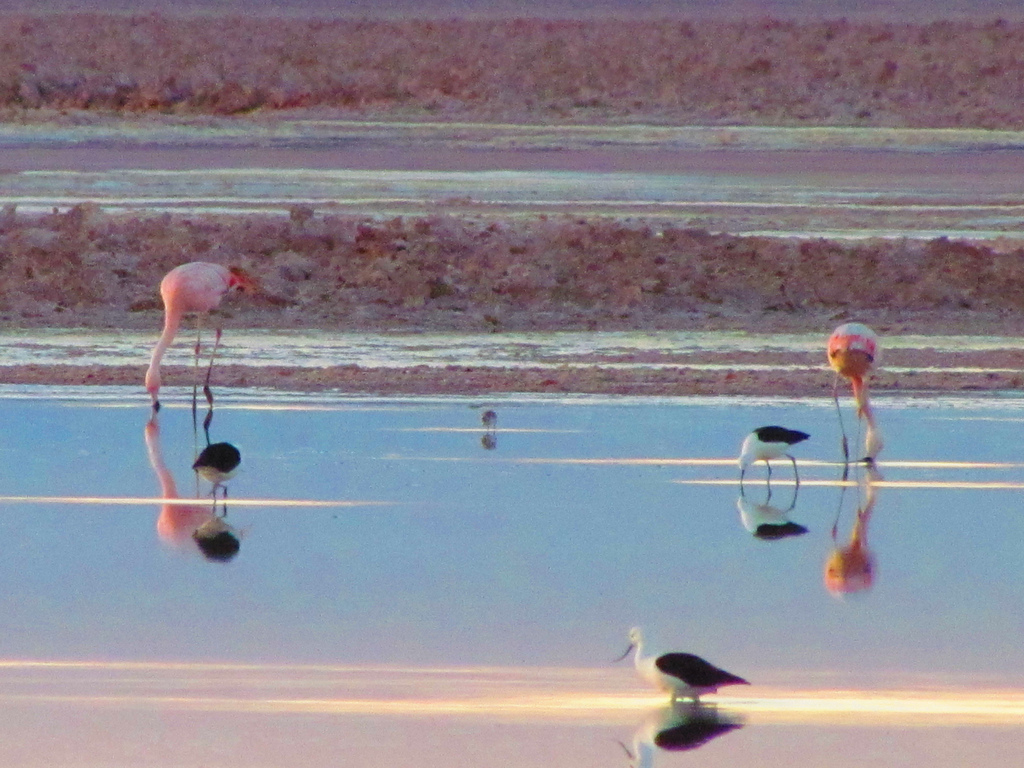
792	504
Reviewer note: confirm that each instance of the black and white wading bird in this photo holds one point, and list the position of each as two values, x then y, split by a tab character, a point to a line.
682	675
767	443
218	463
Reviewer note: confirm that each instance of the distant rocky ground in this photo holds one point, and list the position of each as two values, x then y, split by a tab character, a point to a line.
758	72
85	267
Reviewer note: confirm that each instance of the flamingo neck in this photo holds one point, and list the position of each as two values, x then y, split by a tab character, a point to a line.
860	394
168	488
172	320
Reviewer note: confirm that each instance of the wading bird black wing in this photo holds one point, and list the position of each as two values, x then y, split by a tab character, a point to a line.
696	672
780	435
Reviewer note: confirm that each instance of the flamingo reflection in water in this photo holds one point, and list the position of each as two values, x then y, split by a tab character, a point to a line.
851	568
852	353
177	524
682	727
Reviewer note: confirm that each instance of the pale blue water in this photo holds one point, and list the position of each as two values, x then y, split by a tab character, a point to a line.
533	560
434	552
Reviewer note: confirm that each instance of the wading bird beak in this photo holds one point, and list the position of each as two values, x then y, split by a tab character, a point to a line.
625	654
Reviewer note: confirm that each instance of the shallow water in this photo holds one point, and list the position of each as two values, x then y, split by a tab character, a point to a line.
413	589
612	349
801	182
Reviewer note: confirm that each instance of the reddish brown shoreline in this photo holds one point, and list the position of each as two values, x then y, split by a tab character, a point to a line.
447	272
762	71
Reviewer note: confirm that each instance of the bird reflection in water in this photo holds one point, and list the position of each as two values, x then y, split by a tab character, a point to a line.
200	524
216	539
851	568
490	421
684	726
767	521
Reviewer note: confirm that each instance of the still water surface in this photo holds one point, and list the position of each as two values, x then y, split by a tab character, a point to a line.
412	589
552	349
800	182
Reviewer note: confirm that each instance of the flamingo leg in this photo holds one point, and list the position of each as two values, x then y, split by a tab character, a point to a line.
206	424
209	371
199	337
195	365
860	395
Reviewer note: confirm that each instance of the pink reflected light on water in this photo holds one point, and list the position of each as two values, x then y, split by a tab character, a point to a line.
587	696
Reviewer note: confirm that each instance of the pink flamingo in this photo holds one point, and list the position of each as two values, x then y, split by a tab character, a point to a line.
852	352
194	287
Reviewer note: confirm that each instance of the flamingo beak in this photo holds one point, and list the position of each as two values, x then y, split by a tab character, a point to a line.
243	281
625	654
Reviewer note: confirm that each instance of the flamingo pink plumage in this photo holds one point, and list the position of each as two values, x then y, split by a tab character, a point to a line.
194	287
852	349
852	353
